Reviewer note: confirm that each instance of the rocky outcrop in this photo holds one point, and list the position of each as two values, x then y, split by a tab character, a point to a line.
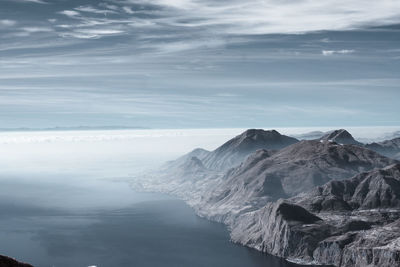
10	262
282	229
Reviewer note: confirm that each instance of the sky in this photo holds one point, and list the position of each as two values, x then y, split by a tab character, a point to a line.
199	63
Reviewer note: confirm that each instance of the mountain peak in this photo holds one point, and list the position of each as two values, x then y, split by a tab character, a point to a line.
238	148
259	133
340	136
260	139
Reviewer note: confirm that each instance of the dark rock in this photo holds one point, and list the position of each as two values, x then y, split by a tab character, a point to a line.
10	262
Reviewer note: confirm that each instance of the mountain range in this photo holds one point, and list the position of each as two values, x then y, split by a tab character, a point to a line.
310	201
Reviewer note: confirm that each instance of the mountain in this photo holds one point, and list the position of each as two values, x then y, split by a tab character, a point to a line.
293	200
265	177
10	262
340	136
237	149
389	148
353	222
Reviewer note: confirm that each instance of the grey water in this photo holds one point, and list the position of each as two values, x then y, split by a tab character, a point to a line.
65	201
108	225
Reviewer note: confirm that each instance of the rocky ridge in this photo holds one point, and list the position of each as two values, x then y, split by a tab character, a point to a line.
353	222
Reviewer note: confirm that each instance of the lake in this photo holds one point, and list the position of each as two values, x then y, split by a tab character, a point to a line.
65	202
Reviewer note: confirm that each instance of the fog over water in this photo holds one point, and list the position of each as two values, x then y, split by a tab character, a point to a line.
64	200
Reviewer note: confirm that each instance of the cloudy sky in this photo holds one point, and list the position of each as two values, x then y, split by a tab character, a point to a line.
199	63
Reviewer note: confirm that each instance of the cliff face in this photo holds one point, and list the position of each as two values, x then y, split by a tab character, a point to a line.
344	223
283	229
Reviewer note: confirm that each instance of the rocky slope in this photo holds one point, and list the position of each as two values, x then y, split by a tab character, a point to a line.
353	222
237	149
10	262
200	169
266	176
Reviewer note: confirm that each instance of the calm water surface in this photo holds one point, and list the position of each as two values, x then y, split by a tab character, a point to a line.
65	202
53	224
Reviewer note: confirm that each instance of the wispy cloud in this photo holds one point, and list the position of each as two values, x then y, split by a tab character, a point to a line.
7	22
275	16
36	29
91	9
32	1
128	10
222	20
91	33
70	13
333	52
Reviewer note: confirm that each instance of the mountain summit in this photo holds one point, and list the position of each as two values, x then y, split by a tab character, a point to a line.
237	149
340	136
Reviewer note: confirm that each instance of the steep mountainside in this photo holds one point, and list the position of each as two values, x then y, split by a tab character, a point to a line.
354	222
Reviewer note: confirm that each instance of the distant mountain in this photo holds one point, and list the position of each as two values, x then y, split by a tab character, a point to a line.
237	149
340	136
389	148
180	162
353	222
